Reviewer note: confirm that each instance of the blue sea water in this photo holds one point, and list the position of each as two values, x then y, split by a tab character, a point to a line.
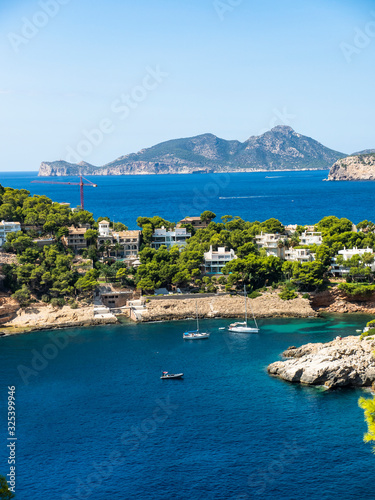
292	197
97	422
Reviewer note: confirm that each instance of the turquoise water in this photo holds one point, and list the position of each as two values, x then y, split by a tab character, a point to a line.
95	420
292	197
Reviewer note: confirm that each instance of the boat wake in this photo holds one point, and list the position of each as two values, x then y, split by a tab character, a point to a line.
248	197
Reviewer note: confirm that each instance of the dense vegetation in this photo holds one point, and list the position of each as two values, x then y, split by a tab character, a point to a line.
51	273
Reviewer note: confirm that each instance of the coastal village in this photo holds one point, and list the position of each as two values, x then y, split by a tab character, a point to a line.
61	267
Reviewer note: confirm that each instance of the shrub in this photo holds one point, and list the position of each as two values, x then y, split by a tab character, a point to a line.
288	294
23	296
57	302
45	298
74	305
306	296
254	294
353	289
371	323
368	333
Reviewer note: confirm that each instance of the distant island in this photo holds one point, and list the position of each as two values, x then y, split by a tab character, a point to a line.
278	149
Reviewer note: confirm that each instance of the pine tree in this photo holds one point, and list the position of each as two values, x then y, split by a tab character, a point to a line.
5	493
369	406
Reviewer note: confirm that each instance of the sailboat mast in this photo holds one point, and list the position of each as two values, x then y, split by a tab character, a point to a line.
252	312
244	293
196	310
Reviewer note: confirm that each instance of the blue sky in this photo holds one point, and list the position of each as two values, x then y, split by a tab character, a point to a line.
227	67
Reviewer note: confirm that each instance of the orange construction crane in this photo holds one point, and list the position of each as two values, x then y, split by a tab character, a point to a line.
80	184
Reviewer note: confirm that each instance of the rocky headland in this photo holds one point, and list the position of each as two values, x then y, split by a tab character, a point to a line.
343	362
354	168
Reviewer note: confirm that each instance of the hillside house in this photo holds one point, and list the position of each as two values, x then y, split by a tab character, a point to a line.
215	260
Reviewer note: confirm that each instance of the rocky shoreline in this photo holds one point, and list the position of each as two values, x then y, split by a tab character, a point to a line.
45	317
268	305
349	362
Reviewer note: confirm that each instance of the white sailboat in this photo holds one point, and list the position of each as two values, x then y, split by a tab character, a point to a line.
243	327
196	334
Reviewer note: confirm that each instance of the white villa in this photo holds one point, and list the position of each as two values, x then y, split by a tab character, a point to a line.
311	238
347	254
6	228
215	260
301	255
128	240
177	236
270	242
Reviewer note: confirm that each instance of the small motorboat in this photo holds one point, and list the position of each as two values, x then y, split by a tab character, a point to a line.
166	375
222	328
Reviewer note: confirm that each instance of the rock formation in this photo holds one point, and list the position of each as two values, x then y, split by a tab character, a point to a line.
346	362
354	168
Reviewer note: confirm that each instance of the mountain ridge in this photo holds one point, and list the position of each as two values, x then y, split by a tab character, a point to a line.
281	148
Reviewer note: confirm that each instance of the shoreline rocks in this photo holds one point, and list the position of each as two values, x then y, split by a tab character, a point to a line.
45	317
349	361
268	305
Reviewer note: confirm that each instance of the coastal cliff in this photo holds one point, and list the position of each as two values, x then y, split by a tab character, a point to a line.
346	362
354	168
278	149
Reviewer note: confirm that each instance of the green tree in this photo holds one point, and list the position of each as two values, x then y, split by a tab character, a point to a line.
5	493
272	226
147	232
207	216
88	282
333	225
368	405
146	285
309	276
23	296
91	236
119	226
122	275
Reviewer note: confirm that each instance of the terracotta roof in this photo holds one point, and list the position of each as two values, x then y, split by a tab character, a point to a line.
125	234
77	230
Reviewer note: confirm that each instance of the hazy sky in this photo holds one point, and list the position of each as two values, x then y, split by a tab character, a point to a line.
149	71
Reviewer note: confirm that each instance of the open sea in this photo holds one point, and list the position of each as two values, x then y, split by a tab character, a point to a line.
94	420
291	197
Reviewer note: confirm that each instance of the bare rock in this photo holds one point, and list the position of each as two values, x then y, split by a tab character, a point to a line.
346	362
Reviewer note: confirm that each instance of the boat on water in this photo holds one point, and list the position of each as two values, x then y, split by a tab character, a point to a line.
166	375
242	326
196	334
